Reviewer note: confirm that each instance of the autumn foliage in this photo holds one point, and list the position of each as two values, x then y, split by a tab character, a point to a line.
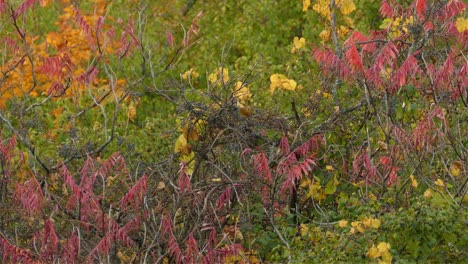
120	143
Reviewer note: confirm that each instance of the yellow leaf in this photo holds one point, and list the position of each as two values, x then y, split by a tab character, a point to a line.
304	230
281	81
306	111
428	194
455	168
305	5
367	222
383	247
461	24
242	92
342	31
189	159
161	185
329	168
322	7
439	183
375	223
181	145
347	7
298	43
414	183
386	258
190	74
373	252
220	76
342	223
325	35
358	226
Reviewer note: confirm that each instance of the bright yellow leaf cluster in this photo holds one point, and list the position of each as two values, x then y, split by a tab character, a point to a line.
305	5
298	44
343	223
192	74
182	146
191	131
456	168
380	251
313	188
325	35
366	223
219	77
439	183
396	26
345	7
281	81
461	24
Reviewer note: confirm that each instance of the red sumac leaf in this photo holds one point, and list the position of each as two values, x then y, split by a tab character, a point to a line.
354	59
386	10
421	6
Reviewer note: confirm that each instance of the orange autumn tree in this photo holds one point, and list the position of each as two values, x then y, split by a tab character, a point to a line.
66	61
69	72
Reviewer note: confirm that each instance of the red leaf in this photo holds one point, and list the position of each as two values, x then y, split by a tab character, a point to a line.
71	248
366	45
3	7
83	25
284	146
192	249
134	196
446	72
261	166
14	254
225	198
99	24
385	9
410	66
50	239
354	59
331	63
184	179
88	76
421	6
22	8
170	38
30	196
453	8
392	176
